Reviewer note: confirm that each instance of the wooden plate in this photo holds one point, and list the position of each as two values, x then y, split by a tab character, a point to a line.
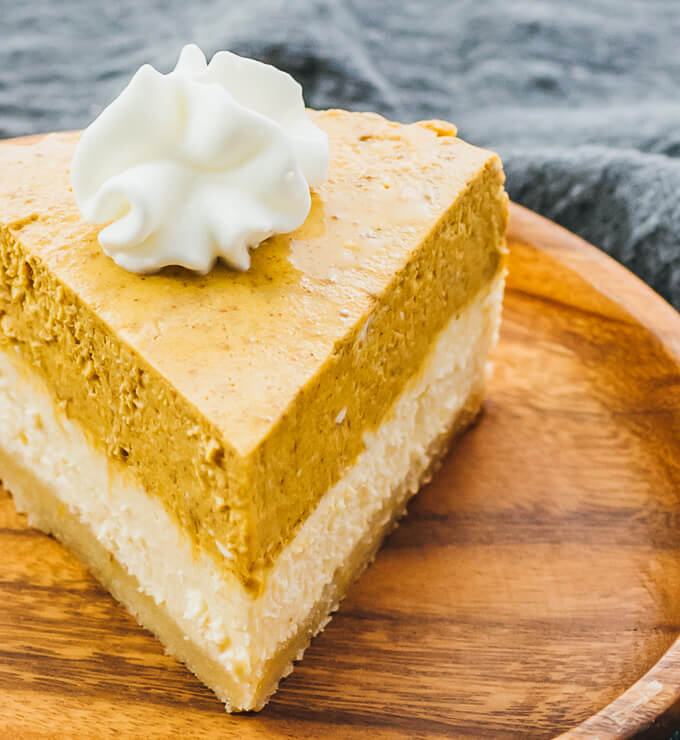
534	587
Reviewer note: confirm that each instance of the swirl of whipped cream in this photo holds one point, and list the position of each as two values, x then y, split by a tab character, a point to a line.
204	162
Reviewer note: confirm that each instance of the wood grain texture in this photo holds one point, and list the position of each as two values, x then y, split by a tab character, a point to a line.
533	581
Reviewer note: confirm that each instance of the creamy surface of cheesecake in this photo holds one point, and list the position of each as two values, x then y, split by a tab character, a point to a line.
221	392
227	451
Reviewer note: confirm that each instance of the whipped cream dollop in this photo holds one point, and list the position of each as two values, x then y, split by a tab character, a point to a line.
204	162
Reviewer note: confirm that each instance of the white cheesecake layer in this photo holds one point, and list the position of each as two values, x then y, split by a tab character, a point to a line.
238	645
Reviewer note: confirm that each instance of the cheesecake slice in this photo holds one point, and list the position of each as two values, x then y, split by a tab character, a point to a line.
226	452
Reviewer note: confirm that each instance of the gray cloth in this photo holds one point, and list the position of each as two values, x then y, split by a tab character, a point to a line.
581	98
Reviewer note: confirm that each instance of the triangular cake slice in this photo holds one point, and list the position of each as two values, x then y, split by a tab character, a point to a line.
226	452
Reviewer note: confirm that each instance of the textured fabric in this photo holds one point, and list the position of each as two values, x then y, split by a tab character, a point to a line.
580	97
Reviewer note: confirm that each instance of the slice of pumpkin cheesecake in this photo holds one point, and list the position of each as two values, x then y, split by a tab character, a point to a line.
226	451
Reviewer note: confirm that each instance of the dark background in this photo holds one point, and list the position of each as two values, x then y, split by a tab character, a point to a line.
581	98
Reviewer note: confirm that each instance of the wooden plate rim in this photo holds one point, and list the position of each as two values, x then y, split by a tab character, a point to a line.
656	695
